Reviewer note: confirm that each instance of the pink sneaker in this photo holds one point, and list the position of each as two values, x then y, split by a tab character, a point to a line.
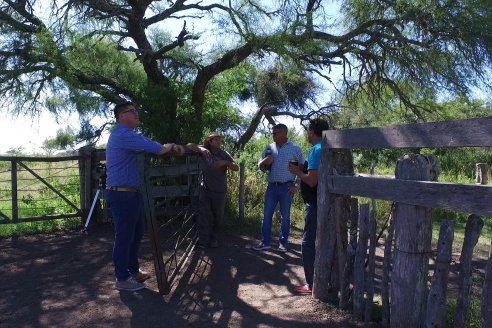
304	289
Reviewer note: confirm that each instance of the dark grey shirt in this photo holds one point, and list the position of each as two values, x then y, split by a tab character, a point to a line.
214	179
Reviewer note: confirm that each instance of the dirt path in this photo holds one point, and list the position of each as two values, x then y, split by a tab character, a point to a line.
66	280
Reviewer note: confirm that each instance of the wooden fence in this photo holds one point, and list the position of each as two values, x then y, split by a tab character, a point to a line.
341	257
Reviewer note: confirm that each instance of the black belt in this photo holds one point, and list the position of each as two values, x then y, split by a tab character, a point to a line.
281	183
128	189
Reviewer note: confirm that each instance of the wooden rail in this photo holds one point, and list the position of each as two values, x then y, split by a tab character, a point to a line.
336	178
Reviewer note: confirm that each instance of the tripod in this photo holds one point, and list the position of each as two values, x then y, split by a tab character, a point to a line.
101	169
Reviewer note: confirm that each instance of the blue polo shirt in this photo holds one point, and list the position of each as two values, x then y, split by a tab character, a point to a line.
121	157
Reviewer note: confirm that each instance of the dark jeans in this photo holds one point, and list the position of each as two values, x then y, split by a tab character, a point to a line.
308	247
128	218
210	214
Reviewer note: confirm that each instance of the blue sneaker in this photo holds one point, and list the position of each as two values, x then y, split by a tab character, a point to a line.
261	247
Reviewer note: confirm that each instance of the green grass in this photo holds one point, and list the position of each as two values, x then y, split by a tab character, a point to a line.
29	228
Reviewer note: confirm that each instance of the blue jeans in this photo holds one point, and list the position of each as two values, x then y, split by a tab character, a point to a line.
308	246
276	194
128	218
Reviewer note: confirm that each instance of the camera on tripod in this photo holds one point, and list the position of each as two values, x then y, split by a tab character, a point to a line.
101	177
101	174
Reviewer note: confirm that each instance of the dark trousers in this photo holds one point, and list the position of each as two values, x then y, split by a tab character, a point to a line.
128	218
308	246
210	214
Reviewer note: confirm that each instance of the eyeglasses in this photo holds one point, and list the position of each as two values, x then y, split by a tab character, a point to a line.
133	110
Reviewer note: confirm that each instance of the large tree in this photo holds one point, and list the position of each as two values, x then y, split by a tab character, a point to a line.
85	55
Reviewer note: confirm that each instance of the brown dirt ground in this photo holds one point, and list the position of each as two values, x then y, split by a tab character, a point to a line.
65	279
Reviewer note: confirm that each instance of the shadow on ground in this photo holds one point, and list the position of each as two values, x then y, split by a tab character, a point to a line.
66	280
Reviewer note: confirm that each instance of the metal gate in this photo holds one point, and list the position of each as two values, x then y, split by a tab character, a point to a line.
39	188
170	191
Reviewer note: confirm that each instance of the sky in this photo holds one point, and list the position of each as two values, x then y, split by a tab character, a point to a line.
28	133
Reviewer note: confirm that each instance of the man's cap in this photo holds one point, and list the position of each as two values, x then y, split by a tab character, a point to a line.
212	135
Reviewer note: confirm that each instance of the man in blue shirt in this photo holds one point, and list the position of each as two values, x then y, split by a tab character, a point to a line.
281	185
123	194
309	185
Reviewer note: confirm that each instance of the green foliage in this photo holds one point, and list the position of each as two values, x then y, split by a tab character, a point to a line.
65	138
285	83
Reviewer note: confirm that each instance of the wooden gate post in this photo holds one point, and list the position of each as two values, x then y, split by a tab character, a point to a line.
482	173
85	173
413	237
339	161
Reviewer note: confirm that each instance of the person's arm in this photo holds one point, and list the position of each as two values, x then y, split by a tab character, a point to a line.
231	165
198	149
171	148
266	159
310	178
166	148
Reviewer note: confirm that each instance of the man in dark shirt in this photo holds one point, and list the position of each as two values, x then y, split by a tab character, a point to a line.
123	194
214	163
309	186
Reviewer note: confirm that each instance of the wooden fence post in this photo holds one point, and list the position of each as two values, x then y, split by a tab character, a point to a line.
342	214
482	173
473	228
385	281
241	191
325	232
413	237
486	315
337	161
372	264
436	303
85	173
351	247
359	264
